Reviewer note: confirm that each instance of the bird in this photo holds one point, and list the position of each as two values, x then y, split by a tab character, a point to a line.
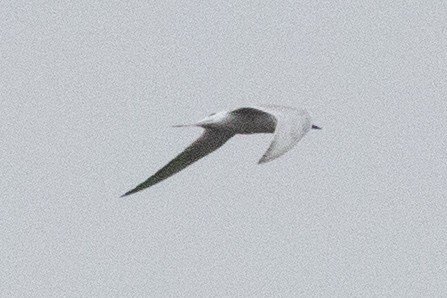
288	124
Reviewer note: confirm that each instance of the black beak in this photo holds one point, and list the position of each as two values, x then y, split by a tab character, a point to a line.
315	127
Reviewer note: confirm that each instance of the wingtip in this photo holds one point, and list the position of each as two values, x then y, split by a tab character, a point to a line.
262	161
183	125
266	159
127	193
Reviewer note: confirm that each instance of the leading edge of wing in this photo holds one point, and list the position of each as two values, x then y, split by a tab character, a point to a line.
210	140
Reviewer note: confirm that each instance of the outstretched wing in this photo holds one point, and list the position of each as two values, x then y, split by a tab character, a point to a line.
291	126
210	140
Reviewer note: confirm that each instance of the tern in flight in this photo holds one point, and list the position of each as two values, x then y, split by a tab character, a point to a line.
287	124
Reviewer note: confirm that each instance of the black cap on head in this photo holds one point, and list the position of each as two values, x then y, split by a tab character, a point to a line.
315	127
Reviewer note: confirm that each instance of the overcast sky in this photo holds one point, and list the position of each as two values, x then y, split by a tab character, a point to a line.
88	94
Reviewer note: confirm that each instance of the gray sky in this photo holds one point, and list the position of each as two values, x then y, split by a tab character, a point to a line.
89	92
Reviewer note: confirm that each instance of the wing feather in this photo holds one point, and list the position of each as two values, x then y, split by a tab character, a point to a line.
210	140
291	126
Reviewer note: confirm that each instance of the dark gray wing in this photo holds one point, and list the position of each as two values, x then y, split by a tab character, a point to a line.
210	140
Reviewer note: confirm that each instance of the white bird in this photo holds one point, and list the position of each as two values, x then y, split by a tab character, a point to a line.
288	124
